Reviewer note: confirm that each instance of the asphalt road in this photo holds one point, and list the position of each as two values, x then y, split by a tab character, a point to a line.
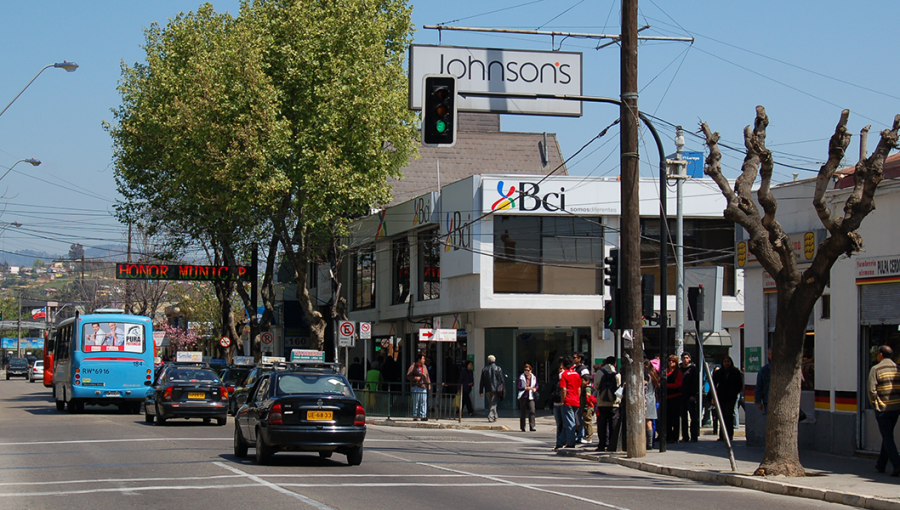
103	460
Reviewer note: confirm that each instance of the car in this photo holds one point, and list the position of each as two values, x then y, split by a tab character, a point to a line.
17	367
304	410
36	371
186	392
237	397
233	377
30	358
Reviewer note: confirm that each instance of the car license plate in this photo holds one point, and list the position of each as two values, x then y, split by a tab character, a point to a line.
319	415
112	394
196	394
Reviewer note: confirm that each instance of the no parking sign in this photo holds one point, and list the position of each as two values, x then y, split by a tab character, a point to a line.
365	330
346	334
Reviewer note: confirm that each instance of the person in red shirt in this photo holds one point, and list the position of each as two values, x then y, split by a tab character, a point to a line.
570	395
673	399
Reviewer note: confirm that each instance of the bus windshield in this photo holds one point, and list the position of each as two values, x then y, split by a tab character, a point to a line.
113	337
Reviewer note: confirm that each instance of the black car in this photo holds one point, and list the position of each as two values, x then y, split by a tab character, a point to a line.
233	377
239	395
17	367
186	392
302	410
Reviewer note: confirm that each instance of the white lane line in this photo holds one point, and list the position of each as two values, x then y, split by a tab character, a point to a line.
311	502
425	440
137	440
124	480
507	484
525	486
124	489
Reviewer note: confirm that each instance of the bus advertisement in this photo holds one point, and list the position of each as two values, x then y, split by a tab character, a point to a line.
49	343
103	359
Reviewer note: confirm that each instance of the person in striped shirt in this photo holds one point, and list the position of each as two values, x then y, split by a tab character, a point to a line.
884	394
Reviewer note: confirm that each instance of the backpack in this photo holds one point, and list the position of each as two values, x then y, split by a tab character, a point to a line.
606	388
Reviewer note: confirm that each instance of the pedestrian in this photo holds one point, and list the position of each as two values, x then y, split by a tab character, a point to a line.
417	375
729	382
673	398
528	385
606	385
373	381
356	374
884	393
556	402
466	382
651	385
763	380
493	384
690	401
570	396
587	404
581	369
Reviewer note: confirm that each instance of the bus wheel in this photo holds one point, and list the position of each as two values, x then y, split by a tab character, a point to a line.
60	405
75	406
136	407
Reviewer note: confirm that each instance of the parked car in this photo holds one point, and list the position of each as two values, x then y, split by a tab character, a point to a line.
305	410
36	371
186	392
17	367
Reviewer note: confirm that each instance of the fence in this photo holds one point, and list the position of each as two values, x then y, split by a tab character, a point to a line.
395	400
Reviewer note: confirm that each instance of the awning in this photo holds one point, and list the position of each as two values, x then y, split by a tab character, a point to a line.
716	339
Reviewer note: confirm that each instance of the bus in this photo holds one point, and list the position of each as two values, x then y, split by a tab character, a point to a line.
103	359
49	353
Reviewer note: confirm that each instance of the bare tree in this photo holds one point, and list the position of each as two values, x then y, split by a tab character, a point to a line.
797	292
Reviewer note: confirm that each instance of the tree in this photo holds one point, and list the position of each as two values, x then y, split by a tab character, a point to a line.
339	70
797	292
76	252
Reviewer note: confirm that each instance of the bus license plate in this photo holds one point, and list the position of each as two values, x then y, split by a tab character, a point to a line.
195	394
112	394
318	415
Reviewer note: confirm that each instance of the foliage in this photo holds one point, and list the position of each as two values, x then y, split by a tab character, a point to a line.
180	339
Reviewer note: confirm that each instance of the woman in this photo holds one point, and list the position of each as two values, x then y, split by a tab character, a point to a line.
651	384
528	384
556	402
729	382
673	398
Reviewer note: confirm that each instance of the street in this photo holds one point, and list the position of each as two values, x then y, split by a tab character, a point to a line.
105	460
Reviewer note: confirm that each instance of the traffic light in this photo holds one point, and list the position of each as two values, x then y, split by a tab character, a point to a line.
695	304
648	282
612	319
612	269
439	111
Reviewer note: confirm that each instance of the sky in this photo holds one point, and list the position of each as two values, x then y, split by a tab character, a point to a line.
804	61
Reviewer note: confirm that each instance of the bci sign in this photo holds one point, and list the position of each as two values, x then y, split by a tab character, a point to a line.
509	195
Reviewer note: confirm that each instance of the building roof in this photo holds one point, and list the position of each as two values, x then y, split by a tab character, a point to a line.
845	175
481	148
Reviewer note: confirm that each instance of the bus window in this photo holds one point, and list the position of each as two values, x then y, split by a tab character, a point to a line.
112	337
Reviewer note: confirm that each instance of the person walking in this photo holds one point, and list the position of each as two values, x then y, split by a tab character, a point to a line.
570	395
581	369
673	398
729	382
419	380
466	382
651	384
493	384
883	388
690	399
587	404
763	380
556	402
606	383
528	385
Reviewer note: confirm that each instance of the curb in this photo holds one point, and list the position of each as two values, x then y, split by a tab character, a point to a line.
435	425
747	482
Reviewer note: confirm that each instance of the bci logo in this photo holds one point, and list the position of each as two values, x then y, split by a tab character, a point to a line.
459	232
422	212
529	198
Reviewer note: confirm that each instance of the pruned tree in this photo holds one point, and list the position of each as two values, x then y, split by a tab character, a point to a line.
797	291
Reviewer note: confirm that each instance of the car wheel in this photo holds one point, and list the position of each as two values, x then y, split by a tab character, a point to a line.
325	455
148	418
159	417
264	452
240	446
354	457
221	421
7	376
60	405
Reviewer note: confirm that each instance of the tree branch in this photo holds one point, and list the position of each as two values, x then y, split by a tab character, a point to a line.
869	172
836	149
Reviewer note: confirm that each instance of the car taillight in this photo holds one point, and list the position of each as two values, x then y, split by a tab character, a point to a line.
360	416
275	415
168	393
223	392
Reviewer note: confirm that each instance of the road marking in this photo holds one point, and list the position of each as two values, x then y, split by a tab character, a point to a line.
124	489
423	440
137	440
505	483
260	481
126	480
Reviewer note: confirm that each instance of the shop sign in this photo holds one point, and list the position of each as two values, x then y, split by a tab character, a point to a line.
877	269
752	359
307	356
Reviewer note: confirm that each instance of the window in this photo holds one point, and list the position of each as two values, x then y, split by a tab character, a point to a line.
548	255
826	306
364	279
400	271
317	384
112	337
429	265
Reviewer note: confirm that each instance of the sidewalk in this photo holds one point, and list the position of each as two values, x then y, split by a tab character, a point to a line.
846	480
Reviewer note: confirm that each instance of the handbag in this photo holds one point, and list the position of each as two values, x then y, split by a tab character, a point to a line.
456	401
501	391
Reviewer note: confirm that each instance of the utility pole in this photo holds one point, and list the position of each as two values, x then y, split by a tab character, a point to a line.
19	327
629	237
128	282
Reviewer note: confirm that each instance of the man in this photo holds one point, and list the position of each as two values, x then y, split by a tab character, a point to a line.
690	401
729	382
581	369
606	382
114	338
419	380
493	383
763	380
356	373
570	396
884	393
466	382
95	338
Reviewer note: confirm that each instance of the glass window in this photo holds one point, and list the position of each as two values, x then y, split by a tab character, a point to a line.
298	384
400	271
429	265
364	279
192	375
112	337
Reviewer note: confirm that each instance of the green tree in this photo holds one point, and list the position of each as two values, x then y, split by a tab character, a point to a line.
339	70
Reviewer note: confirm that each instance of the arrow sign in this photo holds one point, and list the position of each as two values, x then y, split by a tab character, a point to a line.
426	335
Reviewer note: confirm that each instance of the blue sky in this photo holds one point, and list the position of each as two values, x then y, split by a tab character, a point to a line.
804	61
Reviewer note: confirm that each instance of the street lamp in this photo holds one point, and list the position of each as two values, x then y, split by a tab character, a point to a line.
32	161
68	66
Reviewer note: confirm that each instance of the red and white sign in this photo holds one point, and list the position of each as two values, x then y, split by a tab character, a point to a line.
346	330
225	342
437	335
385	343
365	330
266	338
426	335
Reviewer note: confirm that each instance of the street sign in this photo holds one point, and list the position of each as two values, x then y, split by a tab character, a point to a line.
426	335
188	356
346	337
365	330
266	338
225	342
437	335
307	356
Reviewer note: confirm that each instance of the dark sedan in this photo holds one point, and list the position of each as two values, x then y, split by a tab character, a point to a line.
187	393
241	390
17	367
305	411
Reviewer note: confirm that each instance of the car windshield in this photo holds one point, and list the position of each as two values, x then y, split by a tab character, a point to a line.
236	376
183	375
39	364
17	362
298	384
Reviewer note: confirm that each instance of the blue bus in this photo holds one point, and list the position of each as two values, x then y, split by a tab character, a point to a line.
103	359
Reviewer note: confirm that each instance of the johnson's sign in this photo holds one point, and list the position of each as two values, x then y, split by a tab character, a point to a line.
494	70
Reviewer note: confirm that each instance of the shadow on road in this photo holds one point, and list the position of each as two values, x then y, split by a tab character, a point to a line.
295	459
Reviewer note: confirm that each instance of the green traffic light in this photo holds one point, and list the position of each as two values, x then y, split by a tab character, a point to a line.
440	126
